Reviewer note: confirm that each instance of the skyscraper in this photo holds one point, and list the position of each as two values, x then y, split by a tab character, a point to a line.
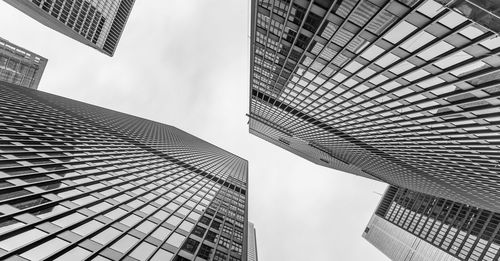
399	245
80	182
98	24
252	243
402	91
20	66
409	225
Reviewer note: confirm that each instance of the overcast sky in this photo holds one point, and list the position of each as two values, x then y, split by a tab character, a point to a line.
186	63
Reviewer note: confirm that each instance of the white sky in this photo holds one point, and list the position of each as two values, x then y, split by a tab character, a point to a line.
185	63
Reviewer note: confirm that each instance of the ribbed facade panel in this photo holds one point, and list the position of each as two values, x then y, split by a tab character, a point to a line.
80	182
459	230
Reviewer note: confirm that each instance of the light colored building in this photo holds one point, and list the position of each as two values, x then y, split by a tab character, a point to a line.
98	24
400	245
409	226
252	243
20	66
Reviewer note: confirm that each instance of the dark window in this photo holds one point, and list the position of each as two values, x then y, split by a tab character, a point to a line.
199	231
190	245
205	251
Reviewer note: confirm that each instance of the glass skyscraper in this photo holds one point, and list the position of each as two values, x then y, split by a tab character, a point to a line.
98	24
80	182
401	91
400	245
409	225
252	243
20	66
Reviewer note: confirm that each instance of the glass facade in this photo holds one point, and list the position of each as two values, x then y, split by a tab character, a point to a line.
80	182
20	66
98	24
402	91
460	230
252	243
399	245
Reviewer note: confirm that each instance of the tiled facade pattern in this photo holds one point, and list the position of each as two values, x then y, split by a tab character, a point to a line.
399	245
403	91
80	182
20	66
98	24
252	243
465	232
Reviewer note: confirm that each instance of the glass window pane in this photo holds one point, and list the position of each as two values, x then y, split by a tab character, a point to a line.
75	254
21	239
176	239
106	235
44	250
143	251
125	243
162	255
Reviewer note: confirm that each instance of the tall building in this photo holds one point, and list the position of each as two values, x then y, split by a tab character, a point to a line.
20	66
98	24
399	245
402	91
409	225
80	182
252	243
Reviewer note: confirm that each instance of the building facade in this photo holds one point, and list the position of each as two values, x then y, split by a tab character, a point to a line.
252	243
80	182
20	66
98	24
401	91
409	225
399	245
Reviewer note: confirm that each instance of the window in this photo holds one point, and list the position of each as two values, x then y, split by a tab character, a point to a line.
435	50
190	245
224	241
75	254
161	233
176	239
69	220
21	239
146	226
45	249
106	235
131	220
417	41
88	228
143	251
174	220
125	243
186	225
205	251
399	32
162	255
